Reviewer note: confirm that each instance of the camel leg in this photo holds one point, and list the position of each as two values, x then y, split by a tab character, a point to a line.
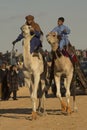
28	81
34	95
27	78
63	105
67	86
75	109
41	106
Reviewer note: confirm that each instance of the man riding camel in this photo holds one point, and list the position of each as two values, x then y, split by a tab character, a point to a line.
63	32
65	47
35	31
36	40
64	44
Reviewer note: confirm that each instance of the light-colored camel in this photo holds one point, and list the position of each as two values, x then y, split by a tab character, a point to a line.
34	67
62	65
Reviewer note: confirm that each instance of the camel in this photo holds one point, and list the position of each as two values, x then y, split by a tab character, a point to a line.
34	68
62	66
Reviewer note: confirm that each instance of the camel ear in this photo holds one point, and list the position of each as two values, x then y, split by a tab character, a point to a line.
22	27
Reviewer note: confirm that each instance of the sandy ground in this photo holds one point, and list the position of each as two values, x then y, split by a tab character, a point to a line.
14	115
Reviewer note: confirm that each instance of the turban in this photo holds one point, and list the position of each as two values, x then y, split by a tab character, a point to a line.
29	17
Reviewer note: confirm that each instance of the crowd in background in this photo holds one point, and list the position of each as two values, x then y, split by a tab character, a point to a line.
11	71
11	79
14	56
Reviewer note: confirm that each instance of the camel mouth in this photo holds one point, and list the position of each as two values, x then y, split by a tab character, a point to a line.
24	33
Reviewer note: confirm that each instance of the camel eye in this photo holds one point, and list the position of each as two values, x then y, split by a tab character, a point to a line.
54	35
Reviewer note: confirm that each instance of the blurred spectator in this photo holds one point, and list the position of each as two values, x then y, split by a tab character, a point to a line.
12	80
3	82
21	77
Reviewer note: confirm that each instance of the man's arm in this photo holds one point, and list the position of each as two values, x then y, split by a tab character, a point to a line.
19	38
66	30
37	34
55	29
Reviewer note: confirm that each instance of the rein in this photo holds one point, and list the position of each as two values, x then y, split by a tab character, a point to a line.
57	54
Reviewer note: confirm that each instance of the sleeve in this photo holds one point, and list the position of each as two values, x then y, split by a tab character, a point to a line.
19	38
37	34
55	30
67	30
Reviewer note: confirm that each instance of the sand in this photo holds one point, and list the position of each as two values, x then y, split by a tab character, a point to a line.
14	115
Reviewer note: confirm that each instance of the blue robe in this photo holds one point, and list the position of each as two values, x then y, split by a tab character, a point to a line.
35	42
64	35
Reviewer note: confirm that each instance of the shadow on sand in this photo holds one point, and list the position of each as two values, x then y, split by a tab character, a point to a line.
15	113
25	113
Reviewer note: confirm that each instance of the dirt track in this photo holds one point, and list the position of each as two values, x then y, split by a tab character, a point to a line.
14	115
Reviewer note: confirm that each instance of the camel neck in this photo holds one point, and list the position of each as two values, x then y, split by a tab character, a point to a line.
27	48
26	35
54	46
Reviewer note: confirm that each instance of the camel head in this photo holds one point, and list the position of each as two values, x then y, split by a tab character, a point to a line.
53	40
25	30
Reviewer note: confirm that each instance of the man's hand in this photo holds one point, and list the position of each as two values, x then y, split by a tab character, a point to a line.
64	31
32	29
13	43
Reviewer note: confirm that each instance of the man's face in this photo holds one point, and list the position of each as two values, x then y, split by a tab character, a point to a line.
60	23
14	68
29	22
3	66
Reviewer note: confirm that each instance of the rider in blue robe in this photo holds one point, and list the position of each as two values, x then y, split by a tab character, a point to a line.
63	32
35	42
